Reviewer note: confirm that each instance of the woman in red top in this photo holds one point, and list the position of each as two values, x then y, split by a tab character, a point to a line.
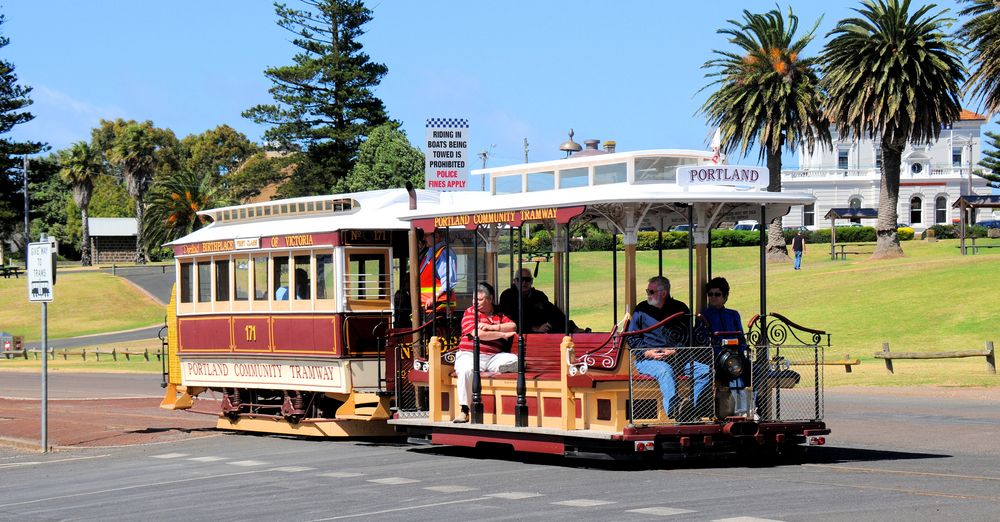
495	329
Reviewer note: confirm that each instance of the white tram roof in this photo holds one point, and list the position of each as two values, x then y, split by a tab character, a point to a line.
372	210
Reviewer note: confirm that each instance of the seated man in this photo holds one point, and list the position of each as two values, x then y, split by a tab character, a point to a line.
540	315
658	359
494	331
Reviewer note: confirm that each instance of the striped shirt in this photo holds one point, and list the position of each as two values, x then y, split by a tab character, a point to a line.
469	324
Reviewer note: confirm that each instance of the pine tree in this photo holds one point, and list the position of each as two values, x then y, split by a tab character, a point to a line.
324	102
13	102
991	159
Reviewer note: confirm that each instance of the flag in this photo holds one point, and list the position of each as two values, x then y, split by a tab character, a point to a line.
717	147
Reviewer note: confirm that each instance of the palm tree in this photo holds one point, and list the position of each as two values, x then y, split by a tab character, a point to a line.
981	34
80	166
892	77
767	91
174	202
132	152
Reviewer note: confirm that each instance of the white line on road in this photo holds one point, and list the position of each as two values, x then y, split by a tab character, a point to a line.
393	481
660	511
745	519
169	456
584	502
246	463
514	495
39	462
292	469
450	489
408	508
207	459
341	474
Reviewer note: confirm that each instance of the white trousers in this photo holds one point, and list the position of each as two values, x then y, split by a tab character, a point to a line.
487	363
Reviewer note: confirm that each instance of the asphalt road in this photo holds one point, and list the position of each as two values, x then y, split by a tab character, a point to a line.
893	455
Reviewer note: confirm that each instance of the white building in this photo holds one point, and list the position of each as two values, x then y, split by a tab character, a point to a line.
933	176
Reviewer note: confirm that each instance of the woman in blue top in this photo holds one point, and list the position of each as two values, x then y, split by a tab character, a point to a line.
722	319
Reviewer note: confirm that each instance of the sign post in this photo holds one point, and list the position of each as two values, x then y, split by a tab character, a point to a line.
41	278
447	163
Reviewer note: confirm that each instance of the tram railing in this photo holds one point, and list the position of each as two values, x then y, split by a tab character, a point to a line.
788	369
408	349
671	385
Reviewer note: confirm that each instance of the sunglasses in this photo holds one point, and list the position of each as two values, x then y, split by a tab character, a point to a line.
651	292
715	294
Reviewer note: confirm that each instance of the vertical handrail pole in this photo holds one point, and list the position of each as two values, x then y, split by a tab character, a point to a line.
521	409
476	409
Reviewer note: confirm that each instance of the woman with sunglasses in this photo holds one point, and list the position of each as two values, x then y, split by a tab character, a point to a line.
727	321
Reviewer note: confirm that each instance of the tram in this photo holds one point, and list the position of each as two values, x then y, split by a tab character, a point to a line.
281	309
582	394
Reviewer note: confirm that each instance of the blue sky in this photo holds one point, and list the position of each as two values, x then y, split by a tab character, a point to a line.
628	71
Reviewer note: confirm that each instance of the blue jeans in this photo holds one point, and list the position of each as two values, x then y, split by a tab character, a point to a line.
798	259
664	375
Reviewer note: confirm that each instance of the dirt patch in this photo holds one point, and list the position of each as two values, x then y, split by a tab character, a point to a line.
101	423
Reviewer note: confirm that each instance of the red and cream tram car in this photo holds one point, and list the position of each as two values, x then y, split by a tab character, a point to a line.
281	309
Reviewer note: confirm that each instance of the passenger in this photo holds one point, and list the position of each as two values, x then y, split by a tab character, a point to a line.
494	331
401	304
281	294
659	359
437	279
540	315
301	284
722	319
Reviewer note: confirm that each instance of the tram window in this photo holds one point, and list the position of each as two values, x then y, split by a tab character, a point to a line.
324	276
507	184
368	277
260	278
267	211
280	278
302	284
241	278
243	213
187	280
614	173
541	181
222	280
284	208
310	207
328	205
579	177
302	207
204	281
658	168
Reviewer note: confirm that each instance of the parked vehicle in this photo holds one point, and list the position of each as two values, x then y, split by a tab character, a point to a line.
747	225
989	223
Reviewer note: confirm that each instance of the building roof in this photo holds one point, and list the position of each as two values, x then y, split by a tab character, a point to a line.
112	226
992	201
852	213
969	115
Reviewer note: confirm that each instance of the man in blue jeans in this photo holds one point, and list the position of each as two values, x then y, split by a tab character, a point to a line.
799	248
658	357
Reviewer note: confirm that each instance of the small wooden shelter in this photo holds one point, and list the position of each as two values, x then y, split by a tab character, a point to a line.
846	213
972	202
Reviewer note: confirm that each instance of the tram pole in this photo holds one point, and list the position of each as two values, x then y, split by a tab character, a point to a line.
476	412
761	350
521	410
566	280
614	278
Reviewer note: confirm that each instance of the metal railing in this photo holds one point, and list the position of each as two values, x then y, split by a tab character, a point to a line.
671	385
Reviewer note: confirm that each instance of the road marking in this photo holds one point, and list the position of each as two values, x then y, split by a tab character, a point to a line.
292	469
745	519
37	462
897	472
393	481
341	474
206	459
246	463
514	495
408	508
584	502
660	511
450	489
169	456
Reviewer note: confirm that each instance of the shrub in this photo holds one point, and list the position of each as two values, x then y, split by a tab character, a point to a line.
905	233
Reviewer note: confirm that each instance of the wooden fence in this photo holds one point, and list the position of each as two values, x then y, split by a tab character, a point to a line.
991	365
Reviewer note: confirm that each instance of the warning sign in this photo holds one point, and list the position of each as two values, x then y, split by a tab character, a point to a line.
447	160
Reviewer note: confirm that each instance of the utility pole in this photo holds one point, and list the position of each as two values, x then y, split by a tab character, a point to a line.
27	233
485	156
525	150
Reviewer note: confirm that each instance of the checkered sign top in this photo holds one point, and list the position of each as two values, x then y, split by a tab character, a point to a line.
456	123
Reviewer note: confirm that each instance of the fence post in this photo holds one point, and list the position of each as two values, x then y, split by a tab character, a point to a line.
145	354
991	361
84	353
114	354
888	361
847	357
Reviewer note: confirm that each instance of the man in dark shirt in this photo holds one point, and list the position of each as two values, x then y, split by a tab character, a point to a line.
799	248
540	315
656	354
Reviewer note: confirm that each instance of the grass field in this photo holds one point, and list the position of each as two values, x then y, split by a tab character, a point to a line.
933	299
85	302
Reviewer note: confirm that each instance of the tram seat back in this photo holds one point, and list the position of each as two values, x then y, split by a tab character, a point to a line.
542	352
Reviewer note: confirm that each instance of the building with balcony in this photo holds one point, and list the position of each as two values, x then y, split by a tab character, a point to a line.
932	177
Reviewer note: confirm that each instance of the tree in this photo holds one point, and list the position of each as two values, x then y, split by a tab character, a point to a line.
893	78
767	91
80	166
324	102
49	195
219	151
981	34
13	102
259	171
174	202
992	159
386	160
136	150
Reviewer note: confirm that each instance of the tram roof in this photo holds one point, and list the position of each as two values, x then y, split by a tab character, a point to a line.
371	210
617	193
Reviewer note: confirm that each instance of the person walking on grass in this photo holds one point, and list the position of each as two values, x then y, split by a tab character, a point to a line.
799	248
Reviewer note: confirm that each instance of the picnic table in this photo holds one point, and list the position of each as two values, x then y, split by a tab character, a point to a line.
841	252
975	248
8	271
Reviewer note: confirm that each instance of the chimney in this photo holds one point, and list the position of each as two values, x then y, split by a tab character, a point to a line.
591	144
609	146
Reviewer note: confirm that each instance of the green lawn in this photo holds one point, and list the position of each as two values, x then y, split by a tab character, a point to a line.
86	302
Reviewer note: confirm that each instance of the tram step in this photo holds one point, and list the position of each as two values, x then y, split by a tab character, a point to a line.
364	406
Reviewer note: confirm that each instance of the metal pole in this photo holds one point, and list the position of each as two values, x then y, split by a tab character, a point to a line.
614	278
521	410
45	363
476	409
566	280
27	231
